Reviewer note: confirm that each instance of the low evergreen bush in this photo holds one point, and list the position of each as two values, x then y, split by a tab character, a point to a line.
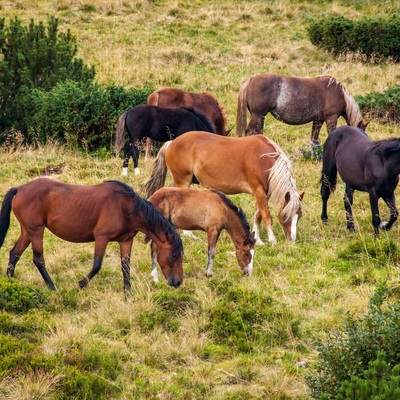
348	352
373	38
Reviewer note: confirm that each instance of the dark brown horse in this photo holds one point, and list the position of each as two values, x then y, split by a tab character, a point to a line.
365	165
110	211
209	211
158	123
204	102
251	164
295	101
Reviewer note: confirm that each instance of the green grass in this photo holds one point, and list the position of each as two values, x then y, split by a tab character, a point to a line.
164	343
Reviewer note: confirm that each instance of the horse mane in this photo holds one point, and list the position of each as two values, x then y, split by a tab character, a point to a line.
353	113
238	211
281	181
204	119
221	110
155	219
386	146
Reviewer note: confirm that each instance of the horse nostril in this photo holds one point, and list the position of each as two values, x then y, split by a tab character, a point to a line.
174	282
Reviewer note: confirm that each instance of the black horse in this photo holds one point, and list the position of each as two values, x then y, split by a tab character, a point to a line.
365	165
158	123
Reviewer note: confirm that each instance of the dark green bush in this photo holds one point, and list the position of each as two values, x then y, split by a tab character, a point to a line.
34	57
80	114
379	382
382	106
348	352
374	38
18	298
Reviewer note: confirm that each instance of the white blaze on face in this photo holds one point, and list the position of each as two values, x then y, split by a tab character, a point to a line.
294	227
250	266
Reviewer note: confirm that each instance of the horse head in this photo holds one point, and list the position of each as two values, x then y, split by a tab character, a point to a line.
290	214
169	257
245	254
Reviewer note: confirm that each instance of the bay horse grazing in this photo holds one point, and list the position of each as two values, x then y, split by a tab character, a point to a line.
295	101
157	123
110	211
365	165
204	102
210	211
252	164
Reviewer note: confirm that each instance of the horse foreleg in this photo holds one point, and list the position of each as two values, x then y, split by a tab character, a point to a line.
348	206
99	250
316	128
212	236
154	272
148	149
256	227
376	219
38	260
262	204
125	250
16	252
391	203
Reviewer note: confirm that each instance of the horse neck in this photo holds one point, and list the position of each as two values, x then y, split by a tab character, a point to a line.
236	230
393	163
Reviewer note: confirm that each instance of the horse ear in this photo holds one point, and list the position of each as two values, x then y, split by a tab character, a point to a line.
301	196
228	132
363	125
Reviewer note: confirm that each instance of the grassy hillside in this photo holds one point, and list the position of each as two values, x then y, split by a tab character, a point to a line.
188	343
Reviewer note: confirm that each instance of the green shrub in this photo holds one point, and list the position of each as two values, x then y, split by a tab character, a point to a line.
18	298
379	382
374	38
384	107
349	351
34	57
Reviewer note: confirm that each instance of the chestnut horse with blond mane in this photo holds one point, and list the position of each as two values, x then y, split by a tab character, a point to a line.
252	164
295	101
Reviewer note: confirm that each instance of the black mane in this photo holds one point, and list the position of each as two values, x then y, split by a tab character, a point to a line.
238	211
386	146
208	126
154	218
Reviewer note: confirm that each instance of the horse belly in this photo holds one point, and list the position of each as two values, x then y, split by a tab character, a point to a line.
71	232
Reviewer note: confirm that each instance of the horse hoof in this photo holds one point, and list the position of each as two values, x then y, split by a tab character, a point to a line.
383	226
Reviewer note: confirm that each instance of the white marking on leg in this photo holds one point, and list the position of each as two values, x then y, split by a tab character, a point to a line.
256	230
154	274
271	236
125	171
189	234
137	171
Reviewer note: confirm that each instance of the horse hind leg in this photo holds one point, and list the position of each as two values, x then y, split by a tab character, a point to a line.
212	236
256	125
16	252
316	128
328	185
348	206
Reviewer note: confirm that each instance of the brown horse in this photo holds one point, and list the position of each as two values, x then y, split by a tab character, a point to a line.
295	101
110	211
253	164
203	102
210	211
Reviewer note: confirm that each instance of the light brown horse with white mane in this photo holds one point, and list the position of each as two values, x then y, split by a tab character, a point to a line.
209	211
252	164
295	101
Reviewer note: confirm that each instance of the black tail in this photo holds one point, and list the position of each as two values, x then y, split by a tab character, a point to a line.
5	213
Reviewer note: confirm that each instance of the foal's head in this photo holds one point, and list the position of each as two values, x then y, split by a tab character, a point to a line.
245	254
290	214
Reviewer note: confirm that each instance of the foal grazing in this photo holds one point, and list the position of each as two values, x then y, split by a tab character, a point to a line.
110	211
157	123
252	164
365	165
295	101
211	212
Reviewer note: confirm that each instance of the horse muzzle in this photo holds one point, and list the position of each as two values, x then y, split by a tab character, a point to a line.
174	282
